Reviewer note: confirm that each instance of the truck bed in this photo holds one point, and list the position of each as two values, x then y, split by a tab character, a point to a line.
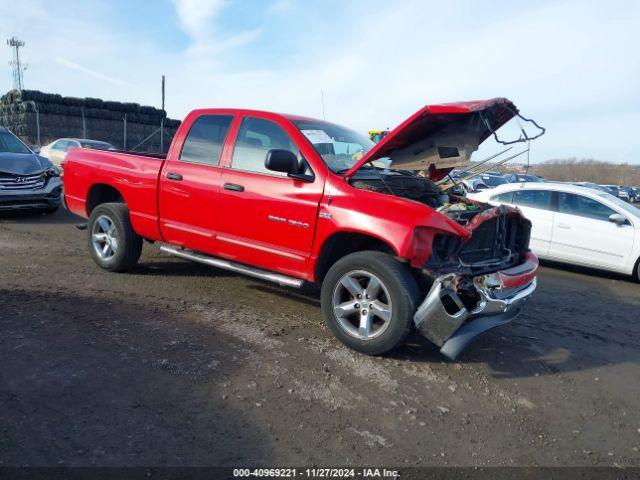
134	175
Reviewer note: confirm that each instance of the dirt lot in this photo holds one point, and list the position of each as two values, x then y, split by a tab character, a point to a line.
181	364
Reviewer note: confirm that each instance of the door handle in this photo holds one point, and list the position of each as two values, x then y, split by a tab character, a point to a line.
564	225
174	176
234	187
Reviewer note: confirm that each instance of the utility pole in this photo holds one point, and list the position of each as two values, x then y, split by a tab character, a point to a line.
162	120
18	67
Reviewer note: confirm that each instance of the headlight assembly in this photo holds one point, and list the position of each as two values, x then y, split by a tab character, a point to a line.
52	171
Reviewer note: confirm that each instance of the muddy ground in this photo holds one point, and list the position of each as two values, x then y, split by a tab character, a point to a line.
181	364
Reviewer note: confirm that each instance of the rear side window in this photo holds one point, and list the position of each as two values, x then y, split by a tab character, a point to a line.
533	198
205	139
506	197
573	204
255	138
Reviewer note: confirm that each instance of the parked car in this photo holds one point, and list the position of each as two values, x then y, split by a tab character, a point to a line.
292	200
57	150
616	191
630	192
483	181
576	225
591	185
27	181
522	177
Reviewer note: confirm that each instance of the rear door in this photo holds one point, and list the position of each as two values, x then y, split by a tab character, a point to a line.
583	234
268	218
536	206
190	183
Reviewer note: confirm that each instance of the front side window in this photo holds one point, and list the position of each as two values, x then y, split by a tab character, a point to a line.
205	139
255	138
63	145
573	204
533	198
9	143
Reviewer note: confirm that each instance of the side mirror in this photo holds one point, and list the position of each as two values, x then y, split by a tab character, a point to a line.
282	161
617	219
35	150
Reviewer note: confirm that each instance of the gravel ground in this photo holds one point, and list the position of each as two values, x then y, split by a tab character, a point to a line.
181	364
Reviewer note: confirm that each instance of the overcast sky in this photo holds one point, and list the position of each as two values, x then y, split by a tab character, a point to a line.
572	65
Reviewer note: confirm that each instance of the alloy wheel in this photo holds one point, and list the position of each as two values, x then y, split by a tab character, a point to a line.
362	304
104	238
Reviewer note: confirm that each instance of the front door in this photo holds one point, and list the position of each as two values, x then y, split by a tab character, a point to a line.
268	218
189	186
583	234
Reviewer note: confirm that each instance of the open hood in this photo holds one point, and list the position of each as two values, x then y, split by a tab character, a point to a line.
438	138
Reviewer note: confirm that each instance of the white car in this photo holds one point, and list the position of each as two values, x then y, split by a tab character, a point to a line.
574	224
57	150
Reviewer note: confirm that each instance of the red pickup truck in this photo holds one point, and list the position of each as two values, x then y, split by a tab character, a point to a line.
291	199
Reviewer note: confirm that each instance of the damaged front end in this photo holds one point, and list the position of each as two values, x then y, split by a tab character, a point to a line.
479	283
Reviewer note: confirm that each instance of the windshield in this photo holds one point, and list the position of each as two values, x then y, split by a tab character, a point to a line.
339	147
620	203
9	143
97	145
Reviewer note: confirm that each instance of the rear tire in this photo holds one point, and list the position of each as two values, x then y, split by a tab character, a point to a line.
636	273
113	244
381	317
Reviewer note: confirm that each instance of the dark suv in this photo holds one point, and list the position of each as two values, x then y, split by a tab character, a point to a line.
27	181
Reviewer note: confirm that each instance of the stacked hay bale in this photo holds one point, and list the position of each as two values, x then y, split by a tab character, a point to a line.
104	120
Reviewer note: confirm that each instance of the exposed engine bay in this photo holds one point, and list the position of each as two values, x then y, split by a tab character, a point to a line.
500	235
402	184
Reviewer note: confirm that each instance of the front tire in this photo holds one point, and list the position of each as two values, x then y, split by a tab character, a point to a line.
368	300
113	244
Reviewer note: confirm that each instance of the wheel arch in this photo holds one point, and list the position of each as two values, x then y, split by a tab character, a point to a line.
100	193
342	243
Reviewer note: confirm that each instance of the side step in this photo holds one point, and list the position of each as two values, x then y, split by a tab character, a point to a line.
234	267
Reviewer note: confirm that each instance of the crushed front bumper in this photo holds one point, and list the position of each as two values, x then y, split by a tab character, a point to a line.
444	319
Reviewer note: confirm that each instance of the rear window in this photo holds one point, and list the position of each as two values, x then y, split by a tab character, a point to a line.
205	139
493	180
533	198
506	197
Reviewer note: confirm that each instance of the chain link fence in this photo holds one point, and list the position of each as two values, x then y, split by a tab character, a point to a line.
39	118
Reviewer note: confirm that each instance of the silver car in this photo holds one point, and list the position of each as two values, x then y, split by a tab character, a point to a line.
57	150
27	181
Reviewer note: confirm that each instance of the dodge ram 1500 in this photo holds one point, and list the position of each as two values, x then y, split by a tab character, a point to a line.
291	200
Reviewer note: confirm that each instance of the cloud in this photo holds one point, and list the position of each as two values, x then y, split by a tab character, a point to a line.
199	20
88	71
566	63
195	16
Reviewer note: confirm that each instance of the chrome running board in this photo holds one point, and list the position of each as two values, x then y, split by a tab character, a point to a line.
234	267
